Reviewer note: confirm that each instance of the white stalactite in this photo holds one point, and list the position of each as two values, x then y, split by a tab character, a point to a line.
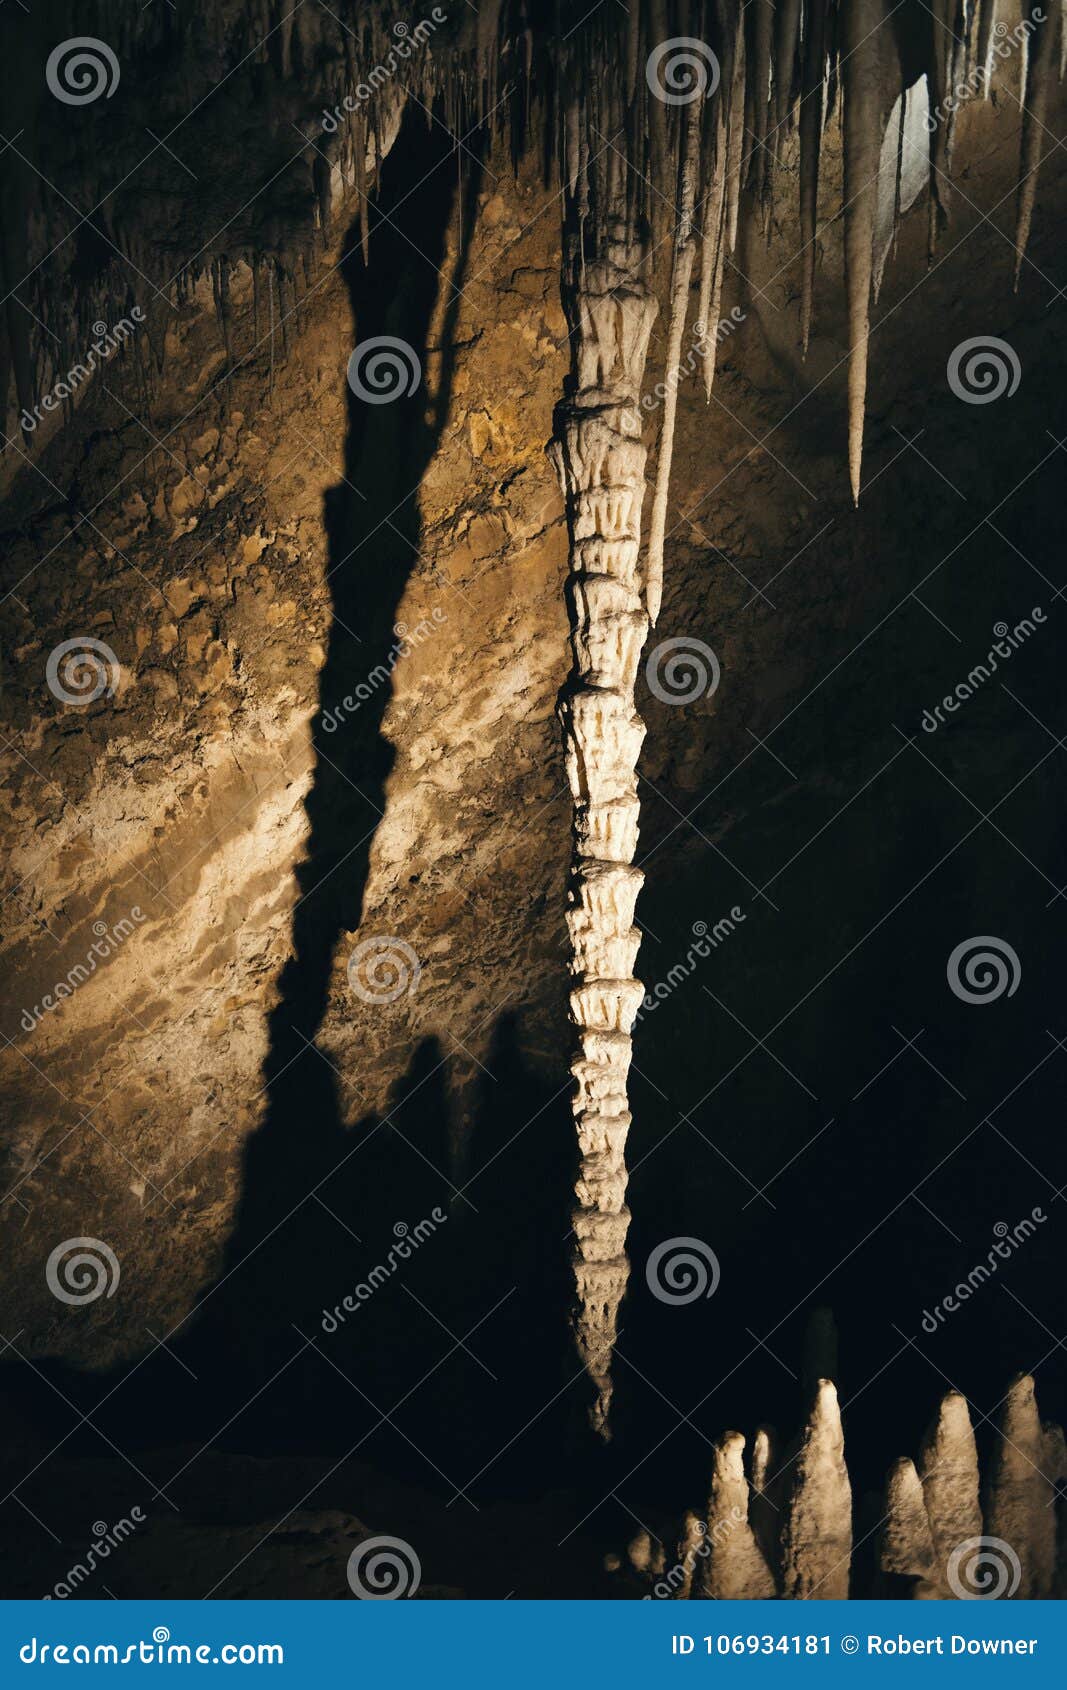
600	459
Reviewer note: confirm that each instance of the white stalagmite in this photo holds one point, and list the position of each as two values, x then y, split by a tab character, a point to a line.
817	1535
600	459
688	1554
1020	1504
930	1538
907	1545
948	1466
733	1564
764	1509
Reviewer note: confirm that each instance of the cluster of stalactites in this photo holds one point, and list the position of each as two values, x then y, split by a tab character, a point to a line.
264	75
703	173
693	172
781	1525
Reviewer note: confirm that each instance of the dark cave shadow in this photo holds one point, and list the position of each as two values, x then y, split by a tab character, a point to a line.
432	1376
281	1256
286	1256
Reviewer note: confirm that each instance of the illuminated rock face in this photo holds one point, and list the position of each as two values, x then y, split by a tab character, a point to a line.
600	460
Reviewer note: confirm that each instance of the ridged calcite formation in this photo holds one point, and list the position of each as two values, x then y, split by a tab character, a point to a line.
600	460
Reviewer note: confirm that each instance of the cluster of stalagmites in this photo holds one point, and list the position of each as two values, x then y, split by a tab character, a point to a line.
600	460
781	1525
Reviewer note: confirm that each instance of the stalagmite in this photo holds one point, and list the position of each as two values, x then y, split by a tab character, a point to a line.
764	1509
733	1564
687	1554
600	459
931	1543
948	1467
1019	1507
817	1534
906	1547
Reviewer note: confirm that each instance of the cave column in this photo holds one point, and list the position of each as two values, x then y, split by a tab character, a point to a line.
600	459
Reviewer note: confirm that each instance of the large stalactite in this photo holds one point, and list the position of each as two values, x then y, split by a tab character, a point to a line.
600	458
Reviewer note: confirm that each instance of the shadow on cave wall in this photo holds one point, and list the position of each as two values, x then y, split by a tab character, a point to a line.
329	1379
470	1328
